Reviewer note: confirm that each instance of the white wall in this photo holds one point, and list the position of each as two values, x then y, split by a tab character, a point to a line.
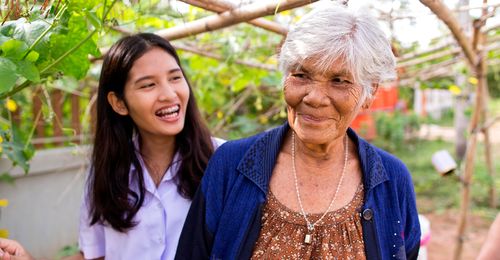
432	102
44	205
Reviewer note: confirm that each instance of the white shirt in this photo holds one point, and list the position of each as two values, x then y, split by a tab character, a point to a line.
160	221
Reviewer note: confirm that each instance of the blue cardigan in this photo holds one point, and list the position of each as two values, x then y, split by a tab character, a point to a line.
224	220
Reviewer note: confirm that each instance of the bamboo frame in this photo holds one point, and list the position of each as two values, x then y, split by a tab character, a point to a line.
232	17
475	55
218	57
220	6
445	15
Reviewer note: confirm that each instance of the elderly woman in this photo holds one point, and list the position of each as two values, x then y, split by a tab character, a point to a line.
311	189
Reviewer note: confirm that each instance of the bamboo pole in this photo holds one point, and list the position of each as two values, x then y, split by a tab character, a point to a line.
484	109
232	17
445	15
219	6
430	57
480	71
218	57
477	61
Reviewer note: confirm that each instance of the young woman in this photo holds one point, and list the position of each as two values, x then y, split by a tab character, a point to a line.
150	151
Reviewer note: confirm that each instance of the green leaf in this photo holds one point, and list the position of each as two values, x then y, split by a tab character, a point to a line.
6	177
32	56
239	85
14	49
94	20
8	76
3	39
77	63
28	70
15	152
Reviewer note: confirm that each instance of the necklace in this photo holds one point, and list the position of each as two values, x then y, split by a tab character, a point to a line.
310	226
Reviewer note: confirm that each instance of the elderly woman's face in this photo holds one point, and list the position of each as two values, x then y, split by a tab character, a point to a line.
321	105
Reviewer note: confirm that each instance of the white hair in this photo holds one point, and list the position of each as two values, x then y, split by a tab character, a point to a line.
333	32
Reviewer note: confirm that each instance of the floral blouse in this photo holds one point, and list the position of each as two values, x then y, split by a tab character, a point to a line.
338	236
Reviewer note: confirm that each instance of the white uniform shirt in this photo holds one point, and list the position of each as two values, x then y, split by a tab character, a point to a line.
160	221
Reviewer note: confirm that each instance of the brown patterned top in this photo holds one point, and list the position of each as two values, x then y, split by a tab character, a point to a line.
338	236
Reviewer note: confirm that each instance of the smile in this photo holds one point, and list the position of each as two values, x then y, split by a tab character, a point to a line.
312	118
168	112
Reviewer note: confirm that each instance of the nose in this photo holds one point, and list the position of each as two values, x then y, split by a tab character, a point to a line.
166	92
316	95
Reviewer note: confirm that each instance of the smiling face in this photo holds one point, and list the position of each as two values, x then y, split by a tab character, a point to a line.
155	96
321	106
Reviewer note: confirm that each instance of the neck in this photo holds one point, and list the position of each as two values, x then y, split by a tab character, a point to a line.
157	149
157	154
319	156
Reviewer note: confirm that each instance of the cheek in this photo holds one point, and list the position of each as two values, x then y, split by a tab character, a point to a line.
183	92
293	93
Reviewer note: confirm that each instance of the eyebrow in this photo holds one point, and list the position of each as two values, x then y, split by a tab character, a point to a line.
150	76
343	72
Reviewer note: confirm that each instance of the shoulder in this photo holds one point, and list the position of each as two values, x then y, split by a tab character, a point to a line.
216	142
395	169
391	162
234	150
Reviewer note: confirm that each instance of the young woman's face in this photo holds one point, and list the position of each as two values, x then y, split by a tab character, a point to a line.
156	95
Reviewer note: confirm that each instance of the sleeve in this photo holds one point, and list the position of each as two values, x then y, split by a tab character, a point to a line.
195	241
91	237
412	231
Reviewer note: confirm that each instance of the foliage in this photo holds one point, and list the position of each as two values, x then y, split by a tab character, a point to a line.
69	250
37	48
436	192
493	78
396	129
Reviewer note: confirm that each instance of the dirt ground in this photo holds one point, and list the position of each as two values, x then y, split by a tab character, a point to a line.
443	235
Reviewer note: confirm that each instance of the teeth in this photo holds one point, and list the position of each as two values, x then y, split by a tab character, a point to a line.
168	111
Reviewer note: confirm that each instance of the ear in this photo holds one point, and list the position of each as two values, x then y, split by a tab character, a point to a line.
369	100
117	104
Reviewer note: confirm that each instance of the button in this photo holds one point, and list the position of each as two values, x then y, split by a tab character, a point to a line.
367	214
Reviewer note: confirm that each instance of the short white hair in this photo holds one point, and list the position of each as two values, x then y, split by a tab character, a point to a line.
334	32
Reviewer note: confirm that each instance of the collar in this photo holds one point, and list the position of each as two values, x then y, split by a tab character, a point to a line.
258	162
371	164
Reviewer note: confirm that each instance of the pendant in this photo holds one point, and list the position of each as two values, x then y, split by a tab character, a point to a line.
307	239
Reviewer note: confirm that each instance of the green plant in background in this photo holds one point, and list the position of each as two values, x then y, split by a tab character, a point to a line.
69	250
43	43
396	129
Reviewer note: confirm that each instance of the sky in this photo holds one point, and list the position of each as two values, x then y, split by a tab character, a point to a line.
425	26
422	28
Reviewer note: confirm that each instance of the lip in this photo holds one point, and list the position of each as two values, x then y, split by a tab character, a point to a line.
312	118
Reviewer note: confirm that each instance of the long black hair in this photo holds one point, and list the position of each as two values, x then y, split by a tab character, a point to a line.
112	201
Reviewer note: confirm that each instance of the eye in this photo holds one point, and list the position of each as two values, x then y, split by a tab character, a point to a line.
340	80
299	75
148	85
175	78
